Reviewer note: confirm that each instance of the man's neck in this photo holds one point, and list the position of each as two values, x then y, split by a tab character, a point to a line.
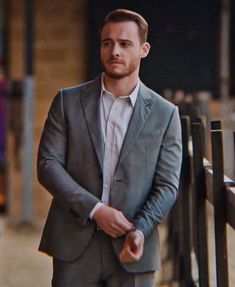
120	87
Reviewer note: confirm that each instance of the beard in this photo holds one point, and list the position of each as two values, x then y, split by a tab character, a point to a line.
120	73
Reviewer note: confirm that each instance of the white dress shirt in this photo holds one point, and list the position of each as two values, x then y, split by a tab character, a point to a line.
115	117
115	114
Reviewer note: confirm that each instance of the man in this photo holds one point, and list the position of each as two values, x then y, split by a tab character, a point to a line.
110	155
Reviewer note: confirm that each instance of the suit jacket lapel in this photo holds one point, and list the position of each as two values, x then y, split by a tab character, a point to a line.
91	107
142	109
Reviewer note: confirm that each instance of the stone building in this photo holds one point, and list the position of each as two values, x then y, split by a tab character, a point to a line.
59	61
191	42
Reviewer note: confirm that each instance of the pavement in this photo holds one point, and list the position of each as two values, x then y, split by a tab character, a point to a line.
21	265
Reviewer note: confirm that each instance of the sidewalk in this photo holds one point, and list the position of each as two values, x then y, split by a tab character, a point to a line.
20	263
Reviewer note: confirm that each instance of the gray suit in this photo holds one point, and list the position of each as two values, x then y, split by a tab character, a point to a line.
70	168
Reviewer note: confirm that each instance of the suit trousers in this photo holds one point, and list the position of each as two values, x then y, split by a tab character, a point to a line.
98	266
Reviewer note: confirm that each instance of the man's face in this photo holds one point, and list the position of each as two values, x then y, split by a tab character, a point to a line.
121	49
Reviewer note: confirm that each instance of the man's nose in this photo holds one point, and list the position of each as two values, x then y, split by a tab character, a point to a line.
115	50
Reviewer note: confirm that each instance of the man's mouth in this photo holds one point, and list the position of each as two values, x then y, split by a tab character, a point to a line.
114	62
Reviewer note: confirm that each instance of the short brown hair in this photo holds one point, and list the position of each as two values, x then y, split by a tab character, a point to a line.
124	15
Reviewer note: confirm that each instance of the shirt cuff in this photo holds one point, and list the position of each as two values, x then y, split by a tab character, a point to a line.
140	233
97	206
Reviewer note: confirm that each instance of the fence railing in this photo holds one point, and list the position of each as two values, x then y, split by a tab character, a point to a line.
201	181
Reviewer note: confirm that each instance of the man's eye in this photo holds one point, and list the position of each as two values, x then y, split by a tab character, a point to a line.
106	44
125	44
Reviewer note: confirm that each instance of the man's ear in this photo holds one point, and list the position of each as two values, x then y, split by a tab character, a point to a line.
145	49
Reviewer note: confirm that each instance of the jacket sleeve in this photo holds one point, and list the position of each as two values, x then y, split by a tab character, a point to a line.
51	164
164	188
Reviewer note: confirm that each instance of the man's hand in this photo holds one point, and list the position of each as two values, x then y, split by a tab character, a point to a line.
133	248
112	221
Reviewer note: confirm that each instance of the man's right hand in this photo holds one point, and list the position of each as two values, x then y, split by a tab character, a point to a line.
112	221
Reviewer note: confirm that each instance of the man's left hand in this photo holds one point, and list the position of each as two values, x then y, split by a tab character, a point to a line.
133	248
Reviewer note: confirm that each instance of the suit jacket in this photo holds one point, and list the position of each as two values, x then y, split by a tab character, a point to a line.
70	167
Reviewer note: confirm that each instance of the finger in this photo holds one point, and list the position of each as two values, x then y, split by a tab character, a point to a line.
126	222
120	226
136	250
120	230
110	231
126	256
117	227
135	245
132	250
127	252
113	231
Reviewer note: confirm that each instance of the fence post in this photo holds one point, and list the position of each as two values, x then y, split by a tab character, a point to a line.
216	125
198	137
219	206
186	277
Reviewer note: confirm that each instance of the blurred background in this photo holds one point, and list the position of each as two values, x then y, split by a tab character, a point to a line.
48	45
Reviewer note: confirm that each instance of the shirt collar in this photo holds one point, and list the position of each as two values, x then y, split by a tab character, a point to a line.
132	96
